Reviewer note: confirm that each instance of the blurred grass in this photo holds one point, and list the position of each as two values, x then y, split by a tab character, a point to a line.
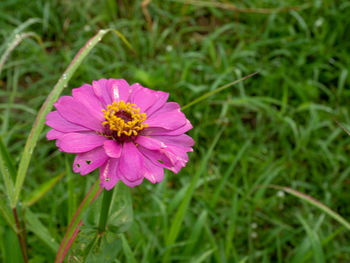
279	126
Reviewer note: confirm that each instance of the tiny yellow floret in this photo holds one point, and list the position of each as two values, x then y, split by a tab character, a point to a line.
124	118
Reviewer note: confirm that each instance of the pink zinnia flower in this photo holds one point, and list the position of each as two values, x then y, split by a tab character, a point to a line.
130	132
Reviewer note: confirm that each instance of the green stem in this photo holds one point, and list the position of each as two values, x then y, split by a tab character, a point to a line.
106	204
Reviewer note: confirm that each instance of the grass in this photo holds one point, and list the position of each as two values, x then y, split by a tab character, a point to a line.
278	127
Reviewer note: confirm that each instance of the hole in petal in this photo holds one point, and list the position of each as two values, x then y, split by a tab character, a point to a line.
161	161
78	165
88	162
107	179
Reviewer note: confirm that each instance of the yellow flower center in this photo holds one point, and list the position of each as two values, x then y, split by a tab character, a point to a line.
123	119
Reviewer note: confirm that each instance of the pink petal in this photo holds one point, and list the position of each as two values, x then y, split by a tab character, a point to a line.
77	113
143	98
57	122
101	90
149	143
79	142
86	162
130	165
152	173
112	148
156	157
178	156
108	174
160	131
177	140
53	134
162	97
167	120
86	96
119	89
170	157
169	106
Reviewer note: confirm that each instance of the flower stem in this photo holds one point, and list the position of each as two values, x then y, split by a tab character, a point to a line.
21	237
106	204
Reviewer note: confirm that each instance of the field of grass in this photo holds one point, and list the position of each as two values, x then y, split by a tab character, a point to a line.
280	127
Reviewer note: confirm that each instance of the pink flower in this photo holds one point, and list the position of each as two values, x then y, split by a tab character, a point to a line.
130	132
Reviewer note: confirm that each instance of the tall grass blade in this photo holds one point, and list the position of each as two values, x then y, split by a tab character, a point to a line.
7	159
34	225
5	172
213	92
7	215
46	108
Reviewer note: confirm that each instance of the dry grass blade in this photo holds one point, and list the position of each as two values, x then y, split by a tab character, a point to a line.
342	127
229	6
16	41
145	12
315	203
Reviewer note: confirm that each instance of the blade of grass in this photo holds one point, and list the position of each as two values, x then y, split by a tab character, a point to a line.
40	191
13	82
213	92
6	214
5	171
315	203
314	241
222	183
46	108
34	225
229	6
129	254
180	214
7	159
16	41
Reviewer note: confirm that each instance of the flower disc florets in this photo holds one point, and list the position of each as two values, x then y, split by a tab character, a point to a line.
123	121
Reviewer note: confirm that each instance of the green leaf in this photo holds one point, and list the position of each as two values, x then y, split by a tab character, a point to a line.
7	215
121	215
12	249
40	191
91	247
90	244
108	249
34	225
47	106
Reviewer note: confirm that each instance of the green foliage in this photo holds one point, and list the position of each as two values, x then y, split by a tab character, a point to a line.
278	127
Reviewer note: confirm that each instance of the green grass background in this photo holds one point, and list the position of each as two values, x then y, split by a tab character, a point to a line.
277	127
